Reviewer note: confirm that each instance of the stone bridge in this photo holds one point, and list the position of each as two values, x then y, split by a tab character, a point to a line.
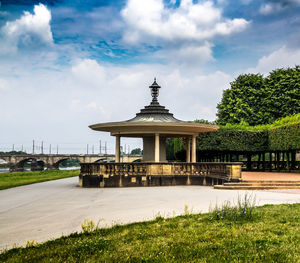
52	161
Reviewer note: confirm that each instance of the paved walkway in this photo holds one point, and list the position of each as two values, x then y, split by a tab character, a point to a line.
266	176
47	210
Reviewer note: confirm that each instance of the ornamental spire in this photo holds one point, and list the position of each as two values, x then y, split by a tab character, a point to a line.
154	92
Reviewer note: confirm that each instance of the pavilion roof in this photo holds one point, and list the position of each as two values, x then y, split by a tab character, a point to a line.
153	118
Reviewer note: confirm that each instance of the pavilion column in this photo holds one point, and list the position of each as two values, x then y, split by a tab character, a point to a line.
156	148
117	157
194	149
188	150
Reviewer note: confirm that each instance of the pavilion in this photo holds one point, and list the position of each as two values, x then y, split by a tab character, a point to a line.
154	123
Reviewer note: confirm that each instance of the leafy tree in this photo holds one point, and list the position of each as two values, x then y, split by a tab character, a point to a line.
256	100
284	88
205	121
136	151
13	153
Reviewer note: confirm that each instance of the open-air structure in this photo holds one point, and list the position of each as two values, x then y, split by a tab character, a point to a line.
154	124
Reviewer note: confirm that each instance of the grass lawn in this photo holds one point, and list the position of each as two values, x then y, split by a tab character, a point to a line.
270	234
9	180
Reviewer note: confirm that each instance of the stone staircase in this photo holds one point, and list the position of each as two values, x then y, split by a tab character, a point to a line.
259	185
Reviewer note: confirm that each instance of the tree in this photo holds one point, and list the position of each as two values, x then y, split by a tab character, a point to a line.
257	100
136	151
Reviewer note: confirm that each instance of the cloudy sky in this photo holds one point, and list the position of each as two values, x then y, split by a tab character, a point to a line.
66	64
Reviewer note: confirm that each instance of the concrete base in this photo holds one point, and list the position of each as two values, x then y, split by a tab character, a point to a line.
134	181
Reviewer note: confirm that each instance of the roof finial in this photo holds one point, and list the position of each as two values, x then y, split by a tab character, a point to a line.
154	92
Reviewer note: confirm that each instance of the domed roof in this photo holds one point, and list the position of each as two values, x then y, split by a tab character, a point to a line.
154	112
152	119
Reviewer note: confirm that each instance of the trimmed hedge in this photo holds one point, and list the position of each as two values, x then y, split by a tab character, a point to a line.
233	140
285	138
282	135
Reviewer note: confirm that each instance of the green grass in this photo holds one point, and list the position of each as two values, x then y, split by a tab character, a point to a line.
9	180
270	234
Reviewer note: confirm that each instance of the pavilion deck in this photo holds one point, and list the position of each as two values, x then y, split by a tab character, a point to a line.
158	174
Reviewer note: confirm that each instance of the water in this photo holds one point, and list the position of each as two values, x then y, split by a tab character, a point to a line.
69	168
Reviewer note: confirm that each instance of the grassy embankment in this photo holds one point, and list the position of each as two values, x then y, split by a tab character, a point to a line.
267	234
9	180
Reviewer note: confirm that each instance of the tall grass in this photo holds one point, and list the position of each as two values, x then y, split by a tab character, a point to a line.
243	209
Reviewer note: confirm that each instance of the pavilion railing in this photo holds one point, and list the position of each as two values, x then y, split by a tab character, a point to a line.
110	174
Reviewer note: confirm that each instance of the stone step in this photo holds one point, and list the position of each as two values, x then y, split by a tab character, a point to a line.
270	181
261	187
263	184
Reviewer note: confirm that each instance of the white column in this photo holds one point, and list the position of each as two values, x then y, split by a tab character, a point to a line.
194	149
188	150
117	157
156	150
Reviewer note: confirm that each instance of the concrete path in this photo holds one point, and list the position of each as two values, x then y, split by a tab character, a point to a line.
270	176
47	210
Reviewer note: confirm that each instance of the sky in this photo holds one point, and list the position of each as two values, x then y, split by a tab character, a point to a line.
67	64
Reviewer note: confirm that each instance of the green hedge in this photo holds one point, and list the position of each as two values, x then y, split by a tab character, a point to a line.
282	135
233	140
285	138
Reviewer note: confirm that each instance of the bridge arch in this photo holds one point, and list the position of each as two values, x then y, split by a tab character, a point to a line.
3	160
101	160
35	164
71	161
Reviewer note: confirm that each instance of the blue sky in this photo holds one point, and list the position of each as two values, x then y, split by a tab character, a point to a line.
67	64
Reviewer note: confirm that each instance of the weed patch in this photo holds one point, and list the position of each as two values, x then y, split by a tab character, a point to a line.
244	209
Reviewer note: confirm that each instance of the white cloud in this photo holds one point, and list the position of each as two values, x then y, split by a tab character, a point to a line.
29	31
67	100
187	56
3	84
189	22
283	57
273	7
89	72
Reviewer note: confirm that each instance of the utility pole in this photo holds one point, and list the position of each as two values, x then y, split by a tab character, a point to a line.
13	148
105	148
100	147
22	148
32	146
93	149
50	149
42	147
87	149
57	149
